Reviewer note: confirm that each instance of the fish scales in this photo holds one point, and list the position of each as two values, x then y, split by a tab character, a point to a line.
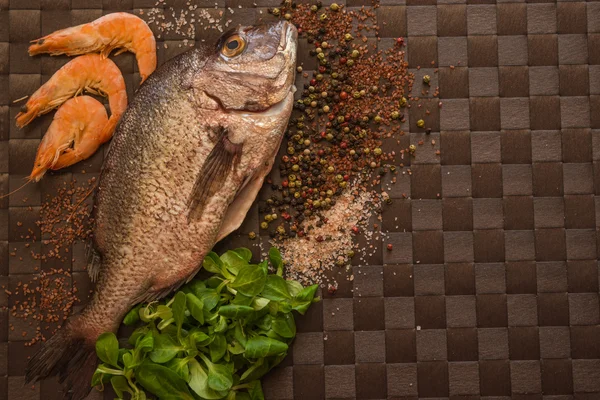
186	163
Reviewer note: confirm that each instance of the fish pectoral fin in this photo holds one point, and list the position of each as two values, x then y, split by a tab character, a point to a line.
94	262
157	291
219	163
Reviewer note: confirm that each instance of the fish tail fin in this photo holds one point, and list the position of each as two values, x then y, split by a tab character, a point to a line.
71	357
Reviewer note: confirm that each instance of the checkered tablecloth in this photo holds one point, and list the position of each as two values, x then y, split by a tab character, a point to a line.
491	290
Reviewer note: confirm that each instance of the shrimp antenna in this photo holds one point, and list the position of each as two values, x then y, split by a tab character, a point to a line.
16	190
81	201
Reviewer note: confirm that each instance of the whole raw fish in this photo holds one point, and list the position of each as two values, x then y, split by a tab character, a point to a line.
184	167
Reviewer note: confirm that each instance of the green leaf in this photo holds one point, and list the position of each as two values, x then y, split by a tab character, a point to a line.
276	289
217	347
180	367
304	299
146	342
212	263
245	253
199	382
128	360
196	307
279	306
162	382
120	385
235	311
235	348
294	287
219	376
165	348
100	378
255	391
132	316
259	303
106	369
242	300
200	338
141	331
178	308
284	325
107	348
250	280
234	261
238	334
254	367
276	261
264	322
260	346
221	326
195	286
209	297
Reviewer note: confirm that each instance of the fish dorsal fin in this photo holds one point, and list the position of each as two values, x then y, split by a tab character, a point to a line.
219	163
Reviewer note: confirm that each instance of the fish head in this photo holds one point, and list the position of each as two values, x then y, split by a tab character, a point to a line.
252	68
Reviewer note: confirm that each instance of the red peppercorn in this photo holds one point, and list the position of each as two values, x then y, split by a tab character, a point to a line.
390	247
313	82
355	229
331	289
323	134
343	145
319	238
320	152
343	60
343	95
346	177
285	183
285	158
322	69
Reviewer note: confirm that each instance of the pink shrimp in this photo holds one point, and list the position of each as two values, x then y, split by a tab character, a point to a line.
123	31
92	73
76	132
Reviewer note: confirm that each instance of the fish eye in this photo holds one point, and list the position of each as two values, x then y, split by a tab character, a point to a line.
233	46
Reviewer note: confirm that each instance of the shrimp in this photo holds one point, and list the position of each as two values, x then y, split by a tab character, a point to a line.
121	30
76	132
92	73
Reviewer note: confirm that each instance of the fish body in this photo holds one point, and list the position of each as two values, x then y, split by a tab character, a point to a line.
184	167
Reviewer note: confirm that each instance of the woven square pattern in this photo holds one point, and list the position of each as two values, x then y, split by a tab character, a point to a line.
492	288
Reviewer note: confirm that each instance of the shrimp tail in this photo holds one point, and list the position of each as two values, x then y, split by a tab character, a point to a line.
70	357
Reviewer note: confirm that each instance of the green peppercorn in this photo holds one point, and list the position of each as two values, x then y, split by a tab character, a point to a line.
340	119
367	150
377	151
326	109
355	53
329	193
348	37
313	8
377	119
356	95
323	17
321	56
273	217
374	89
276	12
299	68
395	115
412	148
330	169
268	218
350	253
251	235
311	89
403	102
291	150
426	79
292	177
316	204
350	63
334	75
329	137
334	7
264	225
319	77
295	167
343	184
420	123
287	16
363	92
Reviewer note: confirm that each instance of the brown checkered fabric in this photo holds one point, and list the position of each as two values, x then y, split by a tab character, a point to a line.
491	290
